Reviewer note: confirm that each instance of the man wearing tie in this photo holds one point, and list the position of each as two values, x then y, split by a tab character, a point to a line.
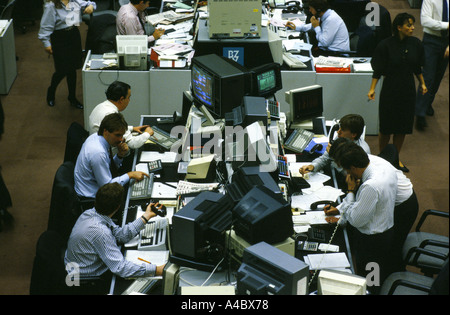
130	20
96	166
434	19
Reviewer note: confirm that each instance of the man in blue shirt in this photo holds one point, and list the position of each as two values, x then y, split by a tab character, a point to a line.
96	166
329	28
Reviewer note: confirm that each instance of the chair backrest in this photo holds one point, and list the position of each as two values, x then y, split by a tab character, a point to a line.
440	284
64	206
76	135
48	274
101	36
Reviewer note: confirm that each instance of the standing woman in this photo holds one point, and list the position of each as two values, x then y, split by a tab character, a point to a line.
398	59
61	38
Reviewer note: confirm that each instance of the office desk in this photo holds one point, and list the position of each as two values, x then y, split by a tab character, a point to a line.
8	66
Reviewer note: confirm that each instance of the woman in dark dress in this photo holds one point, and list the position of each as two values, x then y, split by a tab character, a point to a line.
5	198
61	38
398	59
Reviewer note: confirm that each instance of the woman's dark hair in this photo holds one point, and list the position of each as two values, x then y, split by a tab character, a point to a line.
112	122
108	198
399	20
353	122
116	90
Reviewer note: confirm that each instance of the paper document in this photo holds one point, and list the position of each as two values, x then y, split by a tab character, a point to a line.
327	261
157	257
166	157
164	190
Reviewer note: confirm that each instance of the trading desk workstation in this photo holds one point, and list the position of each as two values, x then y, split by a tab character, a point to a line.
231	132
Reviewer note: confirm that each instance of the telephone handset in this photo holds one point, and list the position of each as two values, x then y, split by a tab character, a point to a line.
322	202
334	129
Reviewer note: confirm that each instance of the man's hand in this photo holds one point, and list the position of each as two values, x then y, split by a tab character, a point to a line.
352	182
158	33
123	149
137	175
148	214
49	50
159	270
331	220
330	210
290	25
306	169
89	9
314	22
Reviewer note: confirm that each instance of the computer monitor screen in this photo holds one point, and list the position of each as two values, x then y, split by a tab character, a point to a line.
132	52
219	83
305	103
266	270
267	79
262	215
197	237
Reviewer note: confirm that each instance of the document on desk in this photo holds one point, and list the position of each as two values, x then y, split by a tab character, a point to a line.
165	157
157	257
310	218
327	261
164	190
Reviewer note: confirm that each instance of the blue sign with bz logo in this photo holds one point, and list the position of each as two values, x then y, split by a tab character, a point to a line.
234	53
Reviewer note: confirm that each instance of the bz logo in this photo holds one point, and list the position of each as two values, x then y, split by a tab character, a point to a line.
235	54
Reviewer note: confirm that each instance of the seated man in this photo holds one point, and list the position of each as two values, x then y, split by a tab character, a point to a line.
93	243
368	209
330	30
130	20
117	99
96	166
351	127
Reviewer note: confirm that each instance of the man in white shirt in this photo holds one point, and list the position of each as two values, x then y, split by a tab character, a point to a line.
368	208
118	97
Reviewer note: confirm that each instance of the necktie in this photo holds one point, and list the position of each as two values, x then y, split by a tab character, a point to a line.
112	165
142	23
444	33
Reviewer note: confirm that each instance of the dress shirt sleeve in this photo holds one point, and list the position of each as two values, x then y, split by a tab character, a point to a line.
320	162
303	27
135	142
83	4
102	173
113	258
427	20
360	210
48	22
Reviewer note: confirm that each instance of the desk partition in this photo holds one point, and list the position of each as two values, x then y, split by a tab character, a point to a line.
8	66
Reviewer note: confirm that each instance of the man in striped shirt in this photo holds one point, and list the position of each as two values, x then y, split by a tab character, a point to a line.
368	208
93	243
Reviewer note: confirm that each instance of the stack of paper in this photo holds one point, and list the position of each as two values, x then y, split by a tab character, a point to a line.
327	261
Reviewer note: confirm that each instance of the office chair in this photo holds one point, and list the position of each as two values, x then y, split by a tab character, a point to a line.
48	273
64	205
411	283
76	135
101	36
417	242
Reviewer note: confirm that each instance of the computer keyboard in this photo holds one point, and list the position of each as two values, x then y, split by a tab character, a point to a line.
283	167
143	189
273	107
153	236
186	188
330	61
163	139
292	61
298	140
141	285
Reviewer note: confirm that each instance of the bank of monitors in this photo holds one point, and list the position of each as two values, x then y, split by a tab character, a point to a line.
305	103
266	270
219	83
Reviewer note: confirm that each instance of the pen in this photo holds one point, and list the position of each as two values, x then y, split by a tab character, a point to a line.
144	260
170	185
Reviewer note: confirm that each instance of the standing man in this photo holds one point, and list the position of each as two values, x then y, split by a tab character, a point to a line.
96	166
434	19
330	30
130	20
118	97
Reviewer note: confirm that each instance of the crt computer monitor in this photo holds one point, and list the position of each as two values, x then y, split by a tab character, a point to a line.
267	79
305	103
219	83
266	270
263	216
197	236
132	52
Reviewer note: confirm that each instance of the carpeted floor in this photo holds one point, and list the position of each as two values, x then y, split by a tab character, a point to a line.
33	145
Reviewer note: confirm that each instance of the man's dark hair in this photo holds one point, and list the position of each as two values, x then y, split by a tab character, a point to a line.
353	122
319	5
399	20
116	90
337	147
139	1
108	198
353	155
112	122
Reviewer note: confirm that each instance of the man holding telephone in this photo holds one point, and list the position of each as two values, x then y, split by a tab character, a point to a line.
329	28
